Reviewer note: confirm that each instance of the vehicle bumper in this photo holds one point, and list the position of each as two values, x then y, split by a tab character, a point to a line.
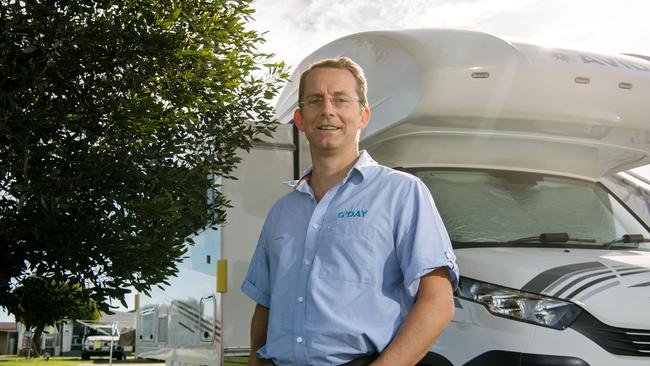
475	337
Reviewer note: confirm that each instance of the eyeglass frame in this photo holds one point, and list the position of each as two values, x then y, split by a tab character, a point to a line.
331	99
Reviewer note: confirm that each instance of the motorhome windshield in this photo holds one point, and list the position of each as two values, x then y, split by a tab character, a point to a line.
493	206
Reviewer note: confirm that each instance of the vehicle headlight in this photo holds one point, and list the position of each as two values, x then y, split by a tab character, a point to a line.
518	305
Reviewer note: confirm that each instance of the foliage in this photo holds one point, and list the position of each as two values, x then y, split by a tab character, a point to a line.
113	114
41	302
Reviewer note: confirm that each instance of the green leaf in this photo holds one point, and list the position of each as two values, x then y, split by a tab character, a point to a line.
109	135
176	13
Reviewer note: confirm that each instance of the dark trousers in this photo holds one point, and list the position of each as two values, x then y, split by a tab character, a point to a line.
362	361
367	360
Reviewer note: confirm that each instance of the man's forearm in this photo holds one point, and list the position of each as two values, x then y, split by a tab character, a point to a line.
426	320
259	328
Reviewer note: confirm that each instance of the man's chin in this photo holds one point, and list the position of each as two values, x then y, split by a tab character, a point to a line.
326	144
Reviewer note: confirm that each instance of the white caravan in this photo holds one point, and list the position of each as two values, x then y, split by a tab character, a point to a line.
201	315
520	146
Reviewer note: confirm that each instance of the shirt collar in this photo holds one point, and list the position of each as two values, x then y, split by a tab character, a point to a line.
363	165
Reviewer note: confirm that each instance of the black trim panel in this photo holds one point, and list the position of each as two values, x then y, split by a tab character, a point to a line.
506	358
619	341
296	151
434	359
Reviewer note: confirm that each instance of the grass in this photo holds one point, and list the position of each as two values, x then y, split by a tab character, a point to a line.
12	360
63	361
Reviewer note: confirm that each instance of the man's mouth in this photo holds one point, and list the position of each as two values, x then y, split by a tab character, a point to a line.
328	128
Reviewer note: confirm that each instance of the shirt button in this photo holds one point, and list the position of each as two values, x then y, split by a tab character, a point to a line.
301	299
307	262
315	226
299	339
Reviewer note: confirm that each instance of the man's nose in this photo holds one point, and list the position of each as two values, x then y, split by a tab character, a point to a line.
328	106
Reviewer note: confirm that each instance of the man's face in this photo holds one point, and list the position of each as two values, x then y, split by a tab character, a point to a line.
331	116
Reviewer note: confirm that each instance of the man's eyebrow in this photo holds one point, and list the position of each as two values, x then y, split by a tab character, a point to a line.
321	95
318	95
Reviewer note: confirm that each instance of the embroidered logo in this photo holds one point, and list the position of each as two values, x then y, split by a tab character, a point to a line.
351	213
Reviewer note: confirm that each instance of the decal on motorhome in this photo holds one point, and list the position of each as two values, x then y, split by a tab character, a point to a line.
571	279
599	60
552	277
607	61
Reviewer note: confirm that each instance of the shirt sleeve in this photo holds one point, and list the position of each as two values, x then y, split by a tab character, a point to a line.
257	283
422	242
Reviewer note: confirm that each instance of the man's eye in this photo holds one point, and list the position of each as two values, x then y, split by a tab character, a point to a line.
341	100
315	101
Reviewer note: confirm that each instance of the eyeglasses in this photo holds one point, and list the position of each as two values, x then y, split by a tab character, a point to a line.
338	101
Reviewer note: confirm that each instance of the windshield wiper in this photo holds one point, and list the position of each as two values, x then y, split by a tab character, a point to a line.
550	238
626	239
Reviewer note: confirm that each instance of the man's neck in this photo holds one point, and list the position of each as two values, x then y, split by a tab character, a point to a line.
328	171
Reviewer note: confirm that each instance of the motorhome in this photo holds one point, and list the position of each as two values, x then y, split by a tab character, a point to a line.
521	147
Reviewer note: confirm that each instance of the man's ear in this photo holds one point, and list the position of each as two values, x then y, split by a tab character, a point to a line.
365	117
297	119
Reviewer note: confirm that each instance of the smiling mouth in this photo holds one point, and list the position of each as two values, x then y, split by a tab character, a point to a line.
328	128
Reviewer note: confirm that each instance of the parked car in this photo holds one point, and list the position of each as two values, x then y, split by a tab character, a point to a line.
100	345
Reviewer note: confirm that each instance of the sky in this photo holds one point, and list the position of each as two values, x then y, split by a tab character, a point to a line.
296	28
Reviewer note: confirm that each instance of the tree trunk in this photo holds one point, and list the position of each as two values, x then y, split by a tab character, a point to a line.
36	342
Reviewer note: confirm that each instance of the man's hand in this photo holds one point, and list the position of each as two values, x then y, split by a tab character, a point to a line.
259	328
432	311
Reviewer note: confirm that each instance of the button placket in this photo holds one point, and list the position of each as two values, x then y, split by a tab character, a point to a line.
313	228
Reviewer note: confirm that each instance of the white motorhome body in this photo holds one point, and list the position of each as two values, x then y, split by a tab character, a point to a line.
496	129
512	140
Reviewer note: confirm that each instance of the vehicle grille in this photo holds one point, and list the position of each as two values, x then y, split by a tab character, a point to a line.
619	341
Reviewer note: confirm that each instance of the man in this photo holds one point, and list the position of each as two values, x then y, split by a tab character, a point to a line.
354	266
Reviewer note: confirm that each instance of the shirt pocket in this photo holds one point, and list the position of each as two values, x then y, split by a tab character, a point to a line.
345	252
281	251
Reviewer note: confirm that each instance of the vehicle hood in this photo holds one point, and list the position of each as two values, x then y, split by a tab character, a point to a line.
102	338
612	285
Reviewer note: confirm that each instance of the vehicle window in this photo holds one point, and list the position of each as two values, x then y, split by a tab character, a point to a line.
147	325
207	318
498	206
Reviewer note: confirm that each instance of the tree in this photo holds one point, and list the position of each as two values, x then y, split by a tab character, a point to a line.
42	302
113	114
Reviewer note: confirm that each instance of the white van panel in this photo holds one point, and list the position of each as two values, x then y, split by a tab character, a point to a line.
507	104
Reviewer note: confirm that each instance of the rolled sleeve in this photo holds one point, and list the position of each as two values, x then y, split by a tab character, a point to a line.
423	244
257	283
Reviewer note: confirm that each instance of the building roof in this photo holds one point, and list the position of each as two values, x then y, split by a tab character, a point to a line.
7	327
126	320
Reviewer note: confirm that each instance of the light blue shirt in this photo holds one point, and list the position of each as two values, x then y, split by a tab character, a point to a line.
340	275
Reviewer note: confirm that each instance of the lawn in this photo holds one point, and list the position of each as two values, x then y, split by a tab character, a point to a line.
76	361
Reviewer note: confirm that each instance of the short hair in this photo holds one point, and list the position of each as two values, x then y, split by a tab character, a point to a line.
344	63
